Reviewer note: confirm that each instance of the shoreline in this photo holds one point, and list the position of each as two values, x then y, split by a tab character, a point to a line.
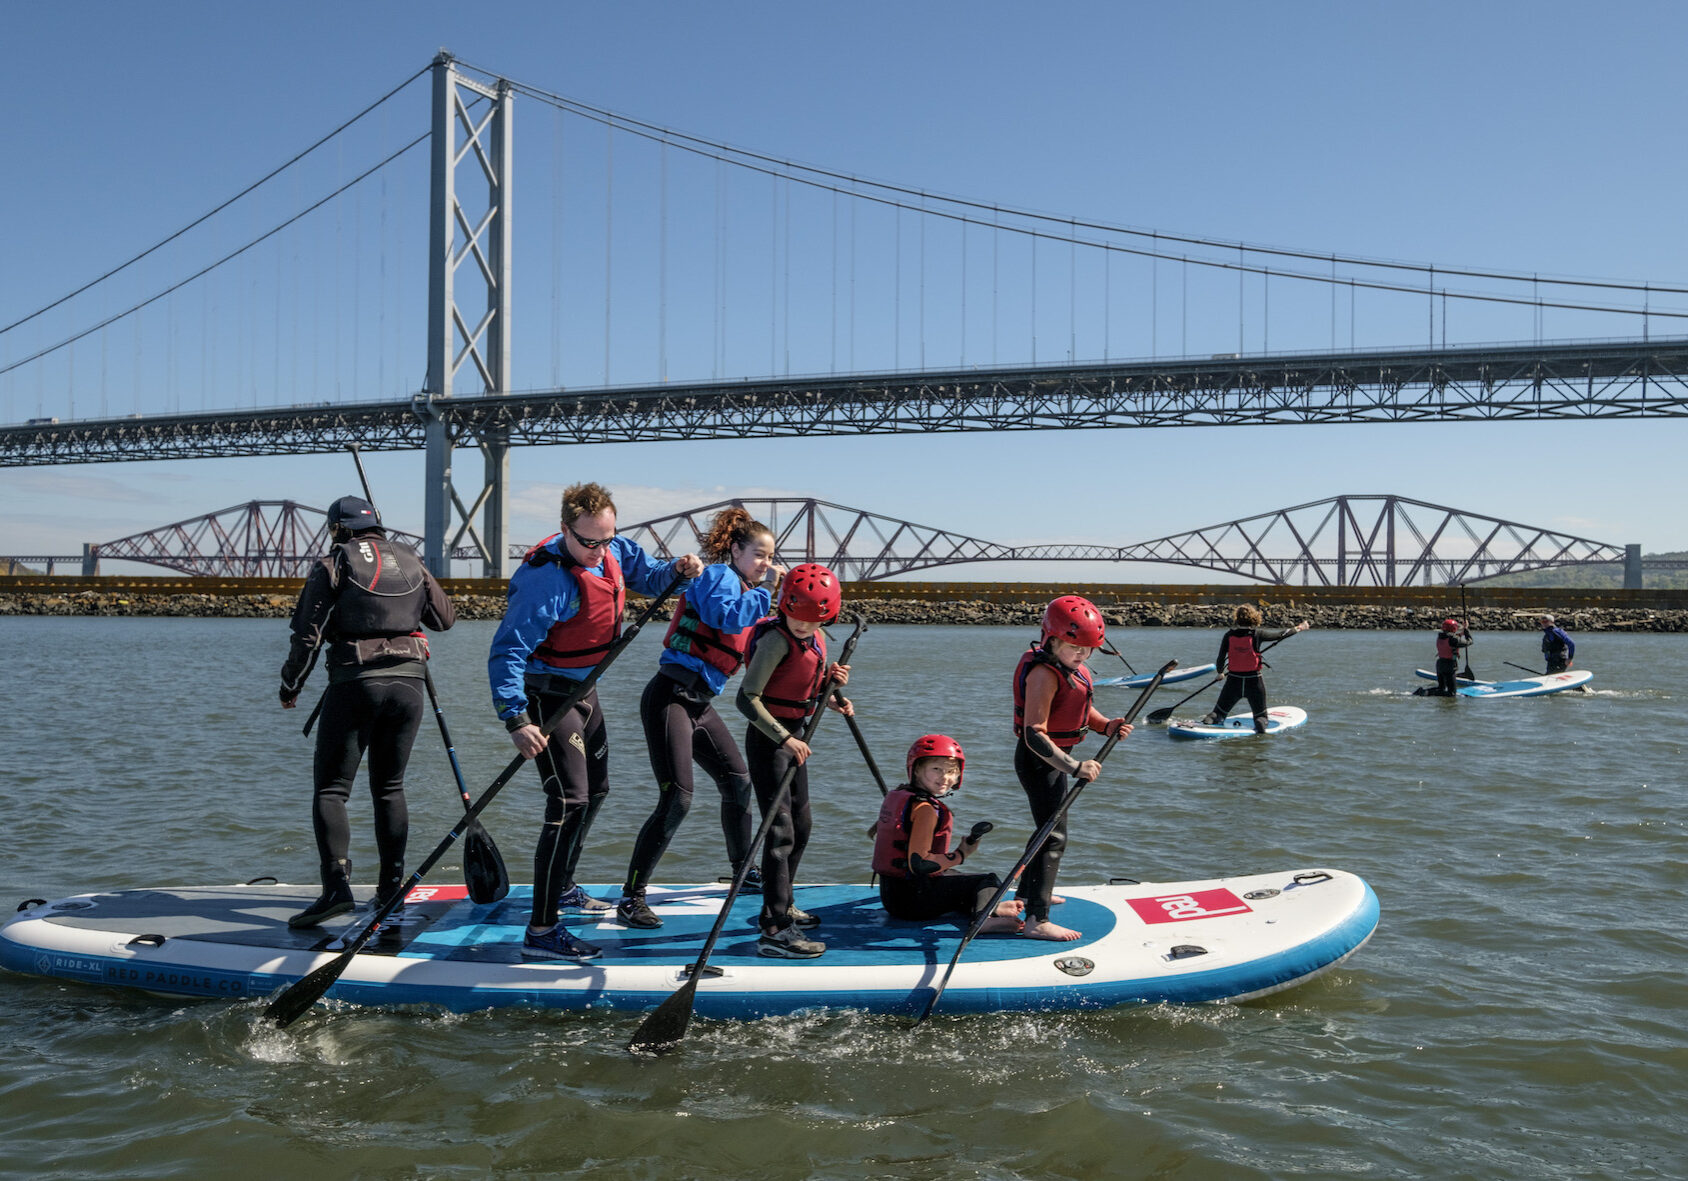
875	610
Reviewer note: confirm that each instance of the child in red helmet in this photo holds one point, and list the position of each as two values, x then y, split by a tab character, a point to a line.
786	673
1450	638
1053	710
918	871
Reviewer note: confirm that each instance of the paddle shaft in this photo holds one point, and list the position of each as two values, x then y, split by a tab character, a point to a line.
1465	612
1160	715
1036	845
663	1028
1113	651
301	995
1532	671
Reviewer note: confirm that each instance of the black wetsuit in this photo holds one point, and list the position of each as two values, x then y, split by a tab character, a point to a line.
1447	667
361	603
574	769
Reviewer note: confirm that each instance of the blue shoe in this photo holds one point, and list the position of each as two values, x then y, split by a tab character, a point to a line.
558	944
580	902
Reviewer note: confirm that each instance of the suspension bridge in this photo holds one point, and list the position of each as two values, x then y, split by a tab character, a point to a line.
815	303
1375	540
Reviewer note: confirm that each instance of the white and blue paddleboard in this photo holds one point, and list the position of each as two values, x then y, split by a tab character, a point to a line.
1427	675
1529	686
1141	680
1278	719
1224	939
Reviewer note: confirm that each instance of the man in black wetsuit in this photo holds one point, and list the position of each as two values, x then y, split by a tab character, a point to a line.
365	601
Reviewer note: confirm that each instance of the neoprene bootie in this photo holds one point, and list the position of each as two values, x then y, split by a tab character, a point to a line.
336	896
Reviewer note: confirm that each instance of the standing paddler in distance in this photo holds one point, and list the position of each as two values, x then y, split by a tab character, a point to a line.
705	645
566	602
1240	664
1557	647
365	601
786	677
920	876
1054	708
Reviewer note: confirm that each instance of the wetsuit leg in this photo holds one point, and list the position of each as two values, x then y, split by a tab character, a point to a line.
1229	692
342	736
933	896
1558	664
668	737
1044	787
398	703
563	768
716	752
768	762
1255	689
597	788
1446	672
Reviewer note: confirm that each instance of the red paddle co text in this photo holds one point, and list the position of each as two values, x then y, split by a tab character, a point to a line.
1178	908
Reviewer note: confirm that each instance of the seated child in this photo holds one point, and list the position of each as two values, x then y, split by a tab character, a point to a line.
918	872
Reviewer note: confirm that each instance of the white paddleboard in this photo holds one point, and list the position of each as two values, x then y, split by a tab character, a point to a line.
1278	719
1530	686
1141	680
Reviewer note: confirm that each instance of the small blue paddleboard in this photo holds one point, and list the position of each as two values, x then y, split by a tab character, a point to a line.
1278	719
1141	680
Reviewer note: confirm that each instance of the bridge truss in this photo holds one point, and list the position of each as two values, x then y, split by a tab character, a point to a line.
1614	379
258	539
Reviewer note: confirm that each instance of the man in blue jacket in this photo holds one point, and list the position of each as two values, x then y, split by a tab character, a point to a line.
564	614
1557	648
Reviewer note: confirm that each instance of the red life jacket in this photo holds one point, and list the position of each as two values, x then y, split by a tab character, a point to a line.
1242	654
581	640
1445	649
796	681
688	633
890	843
1069	712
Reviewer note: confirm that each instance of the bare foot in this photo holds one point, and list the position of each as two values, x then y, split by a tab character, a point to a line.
1012	908
1000	924
1056	900
1044	929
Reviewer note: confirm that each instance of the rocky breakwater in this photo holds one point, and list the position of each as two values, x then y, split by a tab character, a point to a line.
913	611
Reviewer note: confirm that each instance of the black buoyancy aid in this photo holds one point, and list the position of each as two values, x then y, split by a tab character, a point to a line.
688	633
890	843
581	640
792	688
1552	642
1242	651
1069	712
380	589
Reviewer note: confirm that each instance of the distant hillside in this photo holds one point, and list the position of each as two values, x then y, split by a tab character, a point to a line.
1599	576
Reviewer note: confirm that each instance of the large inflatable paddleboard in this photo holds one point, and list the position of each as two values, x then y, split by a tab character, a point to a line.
1223	939
1278	719
1529	686
1141	680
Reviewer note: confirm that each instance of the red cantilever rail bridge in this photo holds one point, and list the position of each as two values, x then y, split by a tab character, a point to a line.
1356	540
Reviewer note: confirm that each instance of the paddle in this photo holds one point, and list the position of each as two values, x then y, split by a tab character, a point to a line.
302	994
1466	612
665	1026
1160	715
483	866
924	866
1036	844
1113	651
1532	671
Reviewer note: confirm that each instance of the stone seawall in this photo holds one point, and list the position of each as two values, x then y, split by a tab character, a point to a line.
1147	614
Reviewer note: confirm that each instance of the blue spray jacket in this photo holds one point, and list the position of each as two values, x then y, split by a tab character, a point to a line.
543	595
1555	638
719	600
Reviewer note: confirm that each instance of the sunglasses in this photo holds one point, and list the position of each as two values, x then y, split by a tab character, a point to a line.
589	542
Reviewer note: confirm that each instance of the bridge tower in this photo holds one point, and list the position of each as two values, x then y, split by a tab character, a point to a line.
457	332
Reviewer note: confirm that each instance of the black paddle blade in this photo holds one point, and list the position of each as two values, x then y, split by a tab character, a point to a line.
483	867
301	995
665	1028
1160	715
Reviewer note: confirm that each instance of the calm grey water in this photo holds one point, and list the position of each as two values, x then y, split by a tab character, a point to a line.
1518	1014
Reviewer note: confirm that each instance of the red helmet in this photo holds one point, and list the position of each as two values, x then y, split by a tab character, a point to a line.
1074	619
1450	625
936	746
811	593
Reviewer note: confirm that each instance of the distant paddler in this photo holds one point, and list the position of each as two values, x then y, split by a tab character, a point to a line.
1557	647
1239	662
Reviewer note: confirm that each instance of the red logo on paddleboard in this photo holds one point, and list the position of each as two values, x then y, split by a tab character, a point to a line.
437	894
1178	908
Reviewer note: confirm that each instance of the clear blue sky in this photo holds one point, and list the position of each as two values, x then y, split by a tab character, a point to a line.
1524	137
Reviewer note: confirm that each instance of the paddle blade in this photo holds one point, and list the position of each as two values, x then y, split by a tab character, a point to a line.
1161	715
483	867
302	994
665	1027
